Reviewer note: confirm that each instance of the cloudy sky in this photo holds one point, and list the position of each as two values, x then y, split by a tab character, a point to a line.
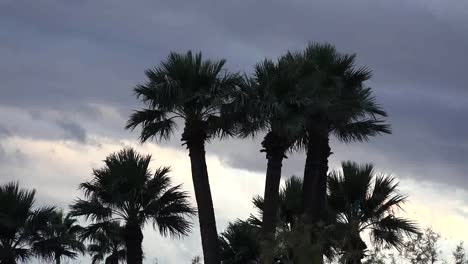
67	69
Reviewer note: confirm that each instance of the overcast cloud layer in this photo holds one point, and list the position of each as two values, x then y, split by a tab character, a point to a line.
67	69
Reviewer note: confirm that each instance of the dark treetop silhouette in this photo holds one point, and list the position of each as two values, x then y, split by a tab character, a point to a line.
20	223
106	242
60	239
362	201
197	92
125	190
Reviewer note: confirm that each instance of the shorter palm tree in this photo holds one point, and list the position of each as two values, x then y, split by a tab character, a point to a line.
20	222
363	201
290	207
59	239
239	243
125	190
291	233
107	243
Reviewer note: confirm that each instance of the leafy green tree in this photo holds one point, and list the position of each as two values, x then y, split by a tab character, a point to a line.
126	190
195	91
20	223
60	239
239	243
363	201
107	242
459	254
423	248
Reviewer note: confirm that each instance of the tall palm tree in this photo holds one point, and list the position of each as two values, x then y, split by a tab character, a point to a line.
195	91
273	109
363	201
126	190
239	243
60	239
336	102
339	104
107	243
20	222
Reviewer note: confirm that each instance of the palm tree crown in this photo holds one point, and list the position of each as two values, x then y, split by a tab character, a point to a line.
20	222
125	190
189	88
338	100
362	201
107	242
239	243
60	239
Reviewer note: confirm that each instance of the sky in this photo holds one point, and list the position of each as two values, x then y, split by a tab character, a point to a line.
67	69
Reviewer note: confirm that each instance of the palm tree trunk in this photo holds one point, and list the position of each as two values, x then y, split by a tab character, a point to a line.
206	215
133	240
314	192
270	206
275	154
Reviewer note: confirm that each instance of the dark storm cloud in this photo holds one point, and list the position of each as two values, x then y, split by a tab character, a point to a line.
73	130
64	54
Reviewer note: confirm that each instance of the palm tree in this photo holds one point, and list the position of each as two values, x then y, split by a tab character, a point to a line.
289	209
125	190
20	222
273	109
60	238
291	234
340	105
195	91
239	243
363	201
336	102
107	242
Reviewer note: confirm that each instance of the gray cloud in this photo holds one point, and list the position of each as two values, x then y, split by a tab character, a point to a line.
72	130
70	67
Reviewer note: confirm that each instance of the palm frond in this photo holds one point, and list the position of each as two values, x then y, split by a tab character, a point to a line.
391	230
170	211
91	209
361	130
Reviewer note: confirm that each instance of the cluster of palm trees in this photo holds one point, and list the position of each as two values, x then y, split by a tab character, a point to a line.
359	200
27	230
119	200
297	103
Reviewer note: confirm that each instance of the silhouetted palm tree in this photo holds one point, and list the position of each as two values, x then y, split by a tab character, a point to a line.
362	201
239	243
60	239
125	190
272	108
20	222
107	243
290	205
195	91
339	104
289	245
